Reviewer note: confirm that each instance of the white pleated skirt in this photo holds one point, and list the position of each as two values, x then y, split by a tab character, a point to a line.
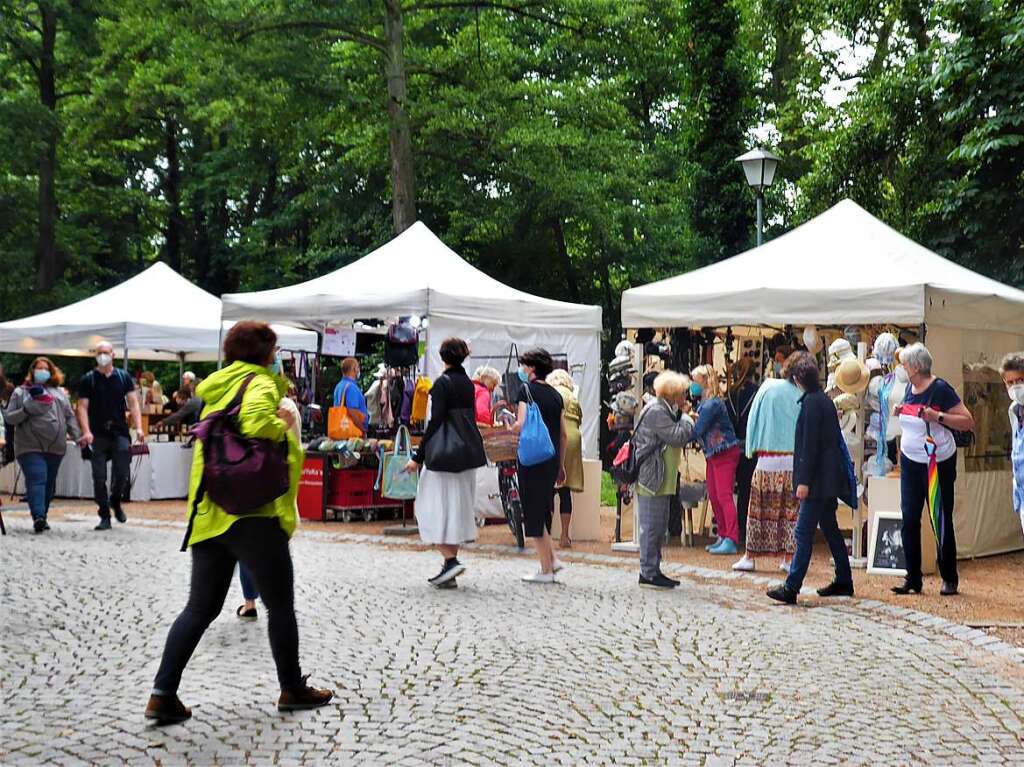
445	503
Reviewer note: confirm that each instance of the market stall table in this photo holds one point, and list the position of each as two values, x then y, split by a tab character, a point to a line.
161	475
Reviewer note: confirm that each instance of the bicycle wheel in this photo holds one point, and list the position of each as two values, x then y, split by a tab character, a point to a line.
514	514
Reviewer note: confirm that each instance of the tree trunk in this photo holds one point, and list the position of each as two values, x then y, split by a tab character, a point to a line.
172	191
403	174
572	284
49	260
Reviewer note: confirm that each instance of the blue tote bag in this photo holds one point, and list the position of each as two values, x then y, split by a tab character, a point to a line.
398	484
535	446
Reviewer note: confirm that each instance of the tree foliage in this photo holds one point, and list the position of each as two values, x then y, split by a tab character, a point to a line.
571	148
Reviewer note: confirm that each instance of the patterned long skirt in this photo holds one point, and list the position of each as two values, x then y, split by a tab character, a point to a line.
771	518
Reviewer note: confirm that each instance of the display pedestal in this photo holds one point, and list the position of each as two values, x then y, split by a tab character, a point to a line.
586	507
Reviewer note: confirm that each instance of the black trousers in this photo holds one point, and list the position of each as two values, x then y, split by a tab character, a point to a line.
117	450
261	545
744	474
914	491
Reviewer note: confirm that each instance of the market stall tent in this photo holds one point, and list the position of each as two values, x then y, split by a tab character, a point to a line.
846	267
155	315
417	274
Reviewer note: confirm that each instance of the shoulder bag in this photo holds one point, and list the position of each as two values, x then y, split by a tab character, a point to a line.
456	446
535	446
342	422
392	479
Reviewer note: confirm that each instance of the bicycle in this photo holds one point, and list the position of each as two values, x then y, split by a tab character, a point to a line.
508	481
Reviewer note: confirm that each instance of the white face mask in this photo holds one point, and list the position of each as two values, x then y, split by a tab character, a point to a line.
901	375
103	359
1016	393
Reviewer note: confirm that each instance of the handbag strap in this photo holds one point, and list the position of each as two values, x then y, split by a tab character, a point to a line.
344	393
513	354
403	431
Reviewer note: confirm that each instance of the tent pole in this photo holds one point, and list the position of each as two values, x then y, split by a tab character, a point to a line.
315	373
181	365
220	339
126	359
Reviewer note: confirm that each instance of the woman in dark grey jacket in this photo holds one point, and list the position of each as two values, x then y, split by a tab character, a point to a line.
821	477
42	419
661	431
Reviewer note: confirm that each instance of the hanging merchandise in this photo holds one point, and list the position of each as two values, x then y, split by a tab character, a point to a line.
393	480
884	349
408	392
420	397
402	345
511	384
396	396
812	341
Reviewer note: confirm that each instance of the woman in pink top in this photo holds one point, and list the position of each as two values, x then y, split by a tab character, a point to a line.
485	381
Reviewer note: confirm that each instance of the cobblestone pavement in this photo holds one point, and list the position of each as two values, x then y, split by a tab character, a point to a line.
590	671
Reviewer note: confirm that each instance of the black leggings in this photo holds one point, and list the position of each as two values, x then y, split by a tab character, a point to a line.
564	501
261	545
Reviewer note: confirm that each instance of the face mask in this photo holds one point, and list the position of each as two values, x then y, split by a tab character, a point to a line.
901	375
275	366
696	389
41	376
523	376
103	359
1016	393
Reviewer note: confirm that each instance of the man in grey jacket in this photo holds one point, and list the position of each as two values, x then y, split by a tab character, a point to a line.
662	429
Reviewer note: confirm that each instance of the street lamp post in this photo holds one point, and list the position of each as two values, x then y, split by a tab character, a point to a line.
759	167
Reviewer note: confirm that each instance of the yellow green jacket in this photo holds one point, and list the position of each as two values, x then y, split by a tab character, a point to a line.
257	418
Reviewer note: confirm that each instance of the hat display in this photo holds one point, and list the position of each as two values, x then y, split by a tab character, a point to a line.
838	351
624	349
852	376
812	341
884	348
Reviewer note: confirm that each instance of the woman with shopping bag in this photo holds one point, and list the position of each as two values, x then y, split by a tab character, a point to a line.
541	457
450	453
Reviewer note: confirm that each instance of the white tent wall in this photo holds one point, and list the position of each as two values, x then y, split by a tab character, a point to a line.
983	517
492	340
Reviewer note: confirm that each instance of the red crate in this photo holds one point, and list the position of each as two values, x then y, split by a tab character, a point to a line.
351	488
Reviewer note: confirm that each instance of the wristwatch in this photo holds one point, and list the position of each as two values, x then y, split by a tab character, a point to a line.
940	418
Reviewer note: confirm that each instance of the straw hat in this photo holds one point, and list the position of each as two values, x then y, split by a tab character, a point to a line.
852	376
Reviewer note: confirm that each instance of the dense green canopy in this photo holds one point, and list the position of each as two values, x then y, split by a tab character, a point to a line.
571	148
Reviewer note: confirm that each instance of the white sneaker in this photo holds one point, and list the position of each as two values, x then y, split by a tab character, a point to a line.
557	565
784	566
539	577
745	565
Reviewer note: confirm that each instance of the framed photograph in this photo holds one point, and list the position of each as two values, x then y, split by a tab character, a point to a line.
885	544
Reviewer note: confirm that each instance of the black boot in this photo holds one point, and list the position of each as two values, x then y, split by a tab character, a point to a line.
782	594
906	588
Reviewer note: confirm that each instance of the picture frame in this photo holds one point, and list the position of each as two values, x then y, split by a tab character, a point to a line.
885	544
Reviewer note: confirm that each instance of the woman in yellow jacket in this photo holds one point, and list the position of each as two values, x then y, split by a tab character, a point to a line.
258	540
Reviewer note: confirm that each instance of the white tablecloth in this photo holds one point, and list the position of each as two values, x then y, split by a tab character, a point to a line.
160	475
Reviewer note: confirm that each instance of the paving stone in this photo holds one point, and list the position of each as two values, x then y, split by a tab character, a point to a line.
592	671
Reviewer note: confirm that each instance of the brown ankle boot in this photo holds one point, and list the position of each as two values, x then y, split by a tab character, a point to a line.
303	697
167	709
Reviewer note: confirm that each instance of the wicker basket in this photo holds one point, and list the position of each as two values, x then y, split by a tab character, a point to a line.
499	443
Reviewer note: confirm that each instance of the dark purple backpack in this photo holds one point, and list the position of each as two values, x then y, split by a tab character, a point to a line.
240	474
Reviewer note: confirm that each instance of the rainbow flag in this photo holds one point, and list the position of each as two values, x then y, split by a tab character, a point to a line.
934	495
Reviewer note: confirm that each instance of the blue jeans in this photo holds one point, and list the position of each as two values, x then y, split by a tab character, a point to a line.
249	590
40	470
815	513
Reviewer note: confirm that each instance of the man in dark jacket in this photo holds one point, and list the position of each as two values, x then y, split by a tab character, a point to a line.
820	476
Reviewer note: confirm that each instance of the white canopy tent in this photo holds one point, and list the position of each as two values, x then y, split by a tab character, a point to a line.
155	315
846	267
417	274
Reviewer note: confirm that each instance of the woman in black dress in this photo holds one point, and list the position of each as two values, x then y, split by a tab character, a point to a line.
537	483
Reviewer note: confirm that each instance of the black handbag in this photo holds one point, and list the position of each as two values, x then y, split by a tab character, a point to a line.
511	384
457	446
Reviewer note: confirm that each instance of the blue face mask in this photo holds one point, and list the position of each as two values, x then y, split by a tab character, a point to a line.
696	389
41	376
275	366
523	376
